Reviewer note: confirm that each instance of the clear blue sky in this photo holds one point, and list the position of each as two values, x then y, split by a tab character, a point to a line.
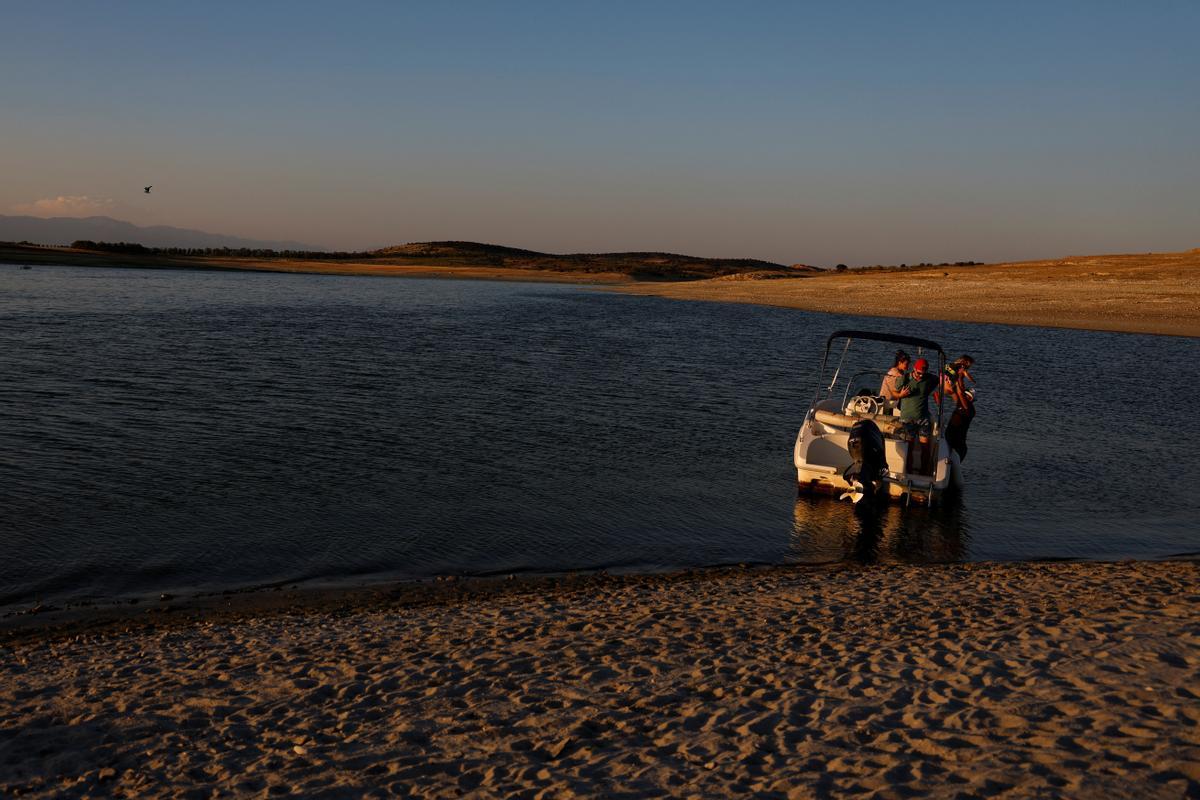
856	132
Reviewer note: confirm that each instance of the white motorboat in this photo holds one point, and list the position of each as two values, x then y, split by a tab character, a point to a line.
853	443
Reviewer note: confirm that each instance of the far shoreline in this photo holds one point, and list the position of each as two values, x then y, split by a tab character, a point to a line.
1152	293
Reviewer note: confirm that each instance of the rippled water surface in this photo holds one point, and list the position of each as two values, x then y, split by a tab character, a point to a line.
200	430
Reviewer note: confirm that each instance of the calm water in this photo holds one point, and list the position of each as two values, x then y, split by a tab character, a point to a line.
201	430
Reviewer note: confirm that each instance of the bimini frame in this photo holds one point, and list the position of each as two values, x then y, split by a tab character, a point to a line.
920	345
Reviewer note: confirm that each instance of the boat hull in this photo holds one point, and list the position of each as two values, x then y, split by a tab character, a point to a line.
822	456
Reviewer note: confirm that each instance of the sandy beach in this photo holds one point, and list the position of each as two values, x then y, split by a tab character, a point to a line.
1143	293
1024	680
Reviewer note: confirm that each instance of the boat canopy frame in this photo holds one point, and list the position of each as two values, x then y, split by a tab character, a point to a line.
911	341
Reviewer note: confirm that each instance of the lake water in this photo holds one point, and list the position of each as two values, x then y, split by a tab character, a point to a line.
175	431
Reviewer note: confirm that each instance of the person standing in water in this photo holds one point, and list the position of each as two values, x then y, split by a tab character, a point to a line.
957	372
954	383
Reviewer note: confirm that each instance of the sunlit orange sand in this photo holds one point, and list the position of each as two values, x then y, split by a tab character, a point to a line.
1145	293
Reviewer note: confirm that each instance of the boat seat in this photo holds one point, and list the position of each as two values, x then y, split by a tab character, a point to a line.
834	418
888	425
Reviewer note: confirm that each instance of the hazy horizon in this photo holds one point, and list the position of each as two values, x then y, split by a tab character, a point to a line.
872	134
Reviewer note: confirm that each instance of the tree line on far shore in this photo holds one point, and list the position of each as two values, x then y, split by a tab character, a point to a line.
841	267
133	248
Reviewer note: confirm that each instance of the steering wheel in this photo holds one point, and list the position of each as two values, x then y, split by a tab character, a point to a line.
865	404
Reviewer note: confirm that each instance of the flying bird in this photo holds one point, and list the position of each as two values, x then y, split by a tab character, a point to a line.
148	188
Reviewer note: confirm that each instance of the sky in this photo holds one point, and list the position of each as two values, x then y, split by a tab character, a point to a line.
815	133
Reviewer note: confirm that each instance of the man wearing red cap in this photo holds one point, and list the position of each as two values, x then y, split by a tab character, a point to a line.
914	410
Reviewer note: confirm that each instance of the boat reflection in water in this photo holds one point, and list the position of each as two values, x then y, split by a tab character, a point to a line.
824	531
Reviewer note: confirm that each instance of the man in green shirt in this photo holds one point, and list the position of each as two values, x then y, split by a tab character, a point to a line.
914	410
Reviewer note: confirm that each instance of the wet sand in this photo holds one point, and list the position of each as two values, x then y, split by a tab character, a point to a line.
1023	680
1148	293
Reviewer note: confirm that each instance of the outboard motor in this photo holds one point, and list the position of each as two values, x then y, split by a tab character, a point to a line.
870	464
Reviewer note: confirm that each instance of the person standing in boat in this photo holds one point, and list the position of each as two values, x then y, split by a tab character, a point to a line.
915	391
890	388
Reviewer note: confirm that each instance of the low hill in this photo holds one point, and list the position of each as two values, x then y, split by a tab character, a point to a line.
454	250
453	258
662	266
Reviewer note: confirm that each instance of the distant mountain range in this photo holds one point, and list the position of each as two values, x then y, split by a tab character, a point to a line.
64	230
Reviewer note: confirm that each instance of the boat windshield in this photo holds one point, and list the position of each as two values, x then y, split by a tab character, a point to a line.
866	382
